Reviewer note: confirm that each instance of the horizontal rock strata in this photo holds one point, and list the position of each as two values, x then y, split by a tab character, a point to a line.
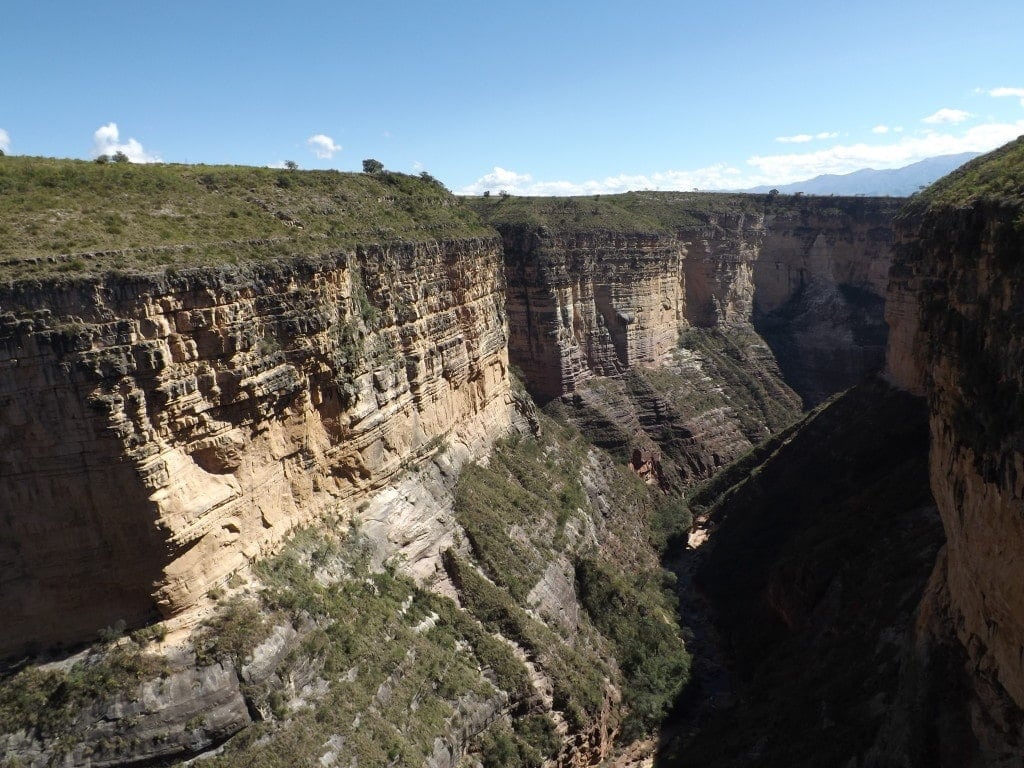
159	433
808	275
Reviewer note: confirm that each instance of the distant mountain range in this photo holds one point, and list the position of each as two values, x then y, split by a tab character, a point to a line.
895	182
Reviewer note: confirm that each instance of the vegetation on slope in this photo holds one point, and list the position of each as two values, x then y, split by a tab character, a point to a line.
194	214
48	701
750	382
366	664
997	177
515	509
527	510
395	669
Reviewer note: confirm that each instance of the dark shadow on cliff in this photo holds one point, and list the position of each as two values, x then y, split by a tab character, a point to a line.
821	545
826	338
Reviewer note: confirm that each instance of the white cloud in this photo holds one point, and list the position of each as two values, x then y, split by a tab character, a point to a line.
947	116
802	138
1002	92
107	141
782	169
896	152
719	176
5	141
880	129
322	146
280	165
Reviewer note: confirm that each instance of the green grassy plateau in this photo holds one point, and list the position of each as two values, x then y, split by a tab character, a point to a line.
131	218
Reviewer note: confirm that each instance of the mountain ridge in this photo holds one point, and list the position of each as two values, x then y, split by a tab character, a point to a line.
889	182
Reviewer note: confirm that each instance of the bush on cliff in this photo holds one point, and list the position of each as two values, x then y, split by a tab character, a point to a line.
637	617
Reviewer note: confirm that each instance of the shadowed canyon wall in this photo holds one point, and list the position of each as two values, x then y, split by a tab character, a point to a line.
934	614
956	308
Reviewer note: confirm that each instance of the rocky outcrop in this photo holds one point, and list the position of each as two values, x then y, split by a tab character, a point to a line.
186	710
958	336
158	433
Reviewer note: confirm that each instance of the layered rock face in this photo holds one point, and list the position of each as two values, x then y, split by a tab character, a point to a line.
590	304
957	312
808	275
819	291
682	346
159	433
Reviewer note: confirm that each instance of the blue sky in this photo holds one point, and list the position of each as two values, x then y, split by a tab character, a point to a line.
541	97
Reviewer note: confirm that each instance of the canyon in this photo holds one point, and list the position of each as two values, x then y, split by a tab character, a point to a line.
341	421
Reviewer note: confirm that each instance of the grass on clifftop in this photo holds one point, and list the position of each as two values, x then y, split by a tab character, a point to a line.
658	212
997	176
647	212
221	213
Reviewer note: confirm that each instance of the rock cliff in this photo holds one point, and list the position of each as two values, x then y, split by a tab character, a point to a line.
956	308
161	432
678	326
166	427
590	304
602	287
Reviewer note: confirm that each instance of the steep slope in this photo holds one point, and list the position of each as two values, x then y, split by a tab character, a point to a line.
821	543
861	633
546	639
675	327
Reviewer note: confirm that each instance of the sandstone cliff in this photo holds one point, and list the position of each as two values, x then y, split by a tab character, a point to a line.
172	414
596	287
677	327
956	308
161	432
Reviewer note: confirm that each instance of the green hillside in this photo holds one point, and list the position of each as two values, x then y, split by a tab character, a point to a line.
997	176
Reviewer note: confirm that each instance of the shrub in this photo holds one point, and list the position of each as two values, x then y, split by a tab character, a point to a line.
638	620
231	635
